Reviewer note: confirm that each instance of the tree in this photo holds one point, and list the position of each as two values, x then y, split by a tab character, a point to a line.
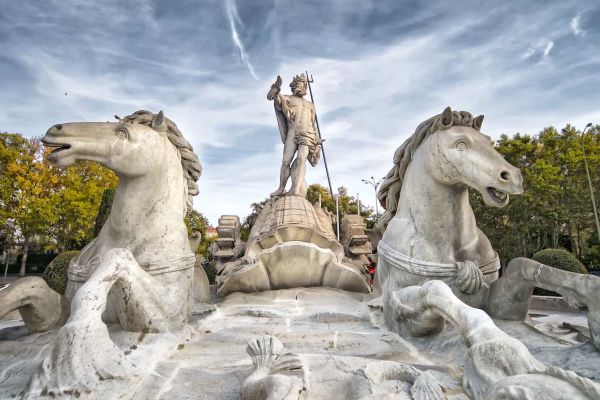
77	201
347	204
26	185
196	222
104	210
555	210
42	205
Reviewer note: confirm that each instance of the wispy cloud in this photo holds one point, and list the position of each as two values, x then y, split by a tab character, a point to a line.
378	72
575	26
548	48
234	19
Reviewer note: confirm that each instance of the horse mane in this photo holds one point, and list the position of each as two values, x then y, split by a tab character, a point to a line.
389	192
192	169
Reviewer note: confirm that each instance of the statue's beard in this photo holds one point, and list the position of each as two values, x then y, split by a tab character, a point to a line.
300	92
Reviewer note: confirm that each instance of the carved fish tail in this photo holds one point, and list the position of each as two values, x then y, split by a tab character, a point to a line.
426	387
264	351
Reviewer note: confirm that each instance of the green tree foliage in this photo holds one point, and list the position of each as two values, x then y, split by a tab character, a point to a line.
196	222
76	202
104	210
43	206
348	204
555	210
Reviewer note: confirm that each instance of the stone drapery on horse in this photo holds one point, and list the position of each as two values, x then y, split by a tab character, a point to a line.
137	272
431	244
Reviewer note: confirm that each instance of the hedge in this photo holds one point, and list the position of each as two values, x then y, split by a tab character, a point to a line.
56	272
560	259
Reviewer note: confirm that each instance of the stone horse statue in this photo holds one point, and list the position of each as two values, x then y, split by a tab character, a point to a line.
431	232
137	272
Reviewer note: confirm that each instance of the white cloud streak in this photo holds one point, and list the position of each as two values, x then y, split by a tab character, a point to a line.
367	103
548	48
575	26
234	18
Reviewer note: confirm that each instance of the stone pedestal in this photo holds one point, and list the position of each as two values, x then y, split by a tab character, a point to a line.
292	244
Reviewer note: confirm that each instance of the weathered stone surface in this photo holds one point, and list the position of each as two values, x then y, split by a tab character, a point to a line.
432	233
354	238
497	364
137	272
296	119
229	243
331	330
291	245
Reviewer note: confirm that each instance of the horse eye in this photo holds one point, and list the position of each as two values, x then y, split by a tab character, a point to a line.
461	145
122	133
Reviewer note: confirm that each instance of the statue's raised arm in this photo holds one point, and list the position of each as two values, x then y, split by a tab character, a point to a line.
273	95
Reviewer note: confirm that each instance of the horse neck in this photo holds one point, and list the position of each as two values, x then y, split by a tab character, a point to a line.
439	215
145	207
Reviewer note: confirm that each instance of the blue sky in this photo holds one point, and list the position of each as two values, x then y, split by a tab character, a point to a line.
380	68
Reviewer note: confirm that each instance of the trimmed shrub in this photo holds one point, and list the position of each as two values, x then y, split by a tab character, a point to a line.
55	274
559	259
210	267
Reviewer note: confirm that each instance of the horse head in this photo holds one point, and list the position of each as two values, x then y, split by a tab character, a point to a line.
460	154
134	146
129	149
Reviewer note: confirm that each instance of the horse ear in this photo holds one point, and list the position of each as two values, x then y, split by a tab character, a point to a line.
477	122
447	118
158	123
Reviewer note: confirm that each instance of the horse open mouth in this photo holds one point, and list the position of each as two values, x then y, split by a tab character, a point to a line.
58	147
498	195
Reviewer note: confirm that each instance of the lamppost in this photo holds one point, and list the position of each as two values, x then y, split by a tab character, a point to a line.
375	185
587	171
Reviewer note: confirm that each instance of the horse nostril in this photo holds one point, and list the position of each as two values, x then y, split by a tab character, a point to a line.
505	175
56	128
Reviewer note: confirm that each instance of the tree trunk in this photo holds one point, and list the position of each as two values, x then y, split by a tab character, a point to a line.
24	259
579	250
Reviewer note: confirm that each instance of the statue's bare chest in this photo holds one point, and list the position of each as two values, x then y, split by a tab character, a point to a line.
300	108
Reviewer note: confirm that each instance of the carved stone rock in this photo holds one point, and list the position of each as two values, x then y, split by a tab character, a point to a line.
229	243
291	245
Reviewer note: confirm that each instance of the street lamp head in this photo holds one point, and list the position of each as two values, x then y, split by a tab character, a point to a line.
588	125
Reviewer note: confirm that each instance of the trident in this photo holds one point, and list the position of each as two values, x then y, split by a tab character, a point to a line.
310	80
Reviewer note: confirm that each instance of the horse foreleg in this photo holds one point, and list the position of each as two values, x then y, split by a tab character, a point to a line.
83	353
510	295
492	356
40	307
423	310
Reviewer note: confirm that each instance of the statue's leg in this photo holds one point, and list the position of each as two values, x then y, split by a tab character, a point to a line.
40	307
289	150
510	295
83	353
299	172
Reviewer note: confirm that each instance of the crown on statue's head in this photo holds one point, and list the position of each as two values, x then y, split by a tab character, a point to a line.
297	79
